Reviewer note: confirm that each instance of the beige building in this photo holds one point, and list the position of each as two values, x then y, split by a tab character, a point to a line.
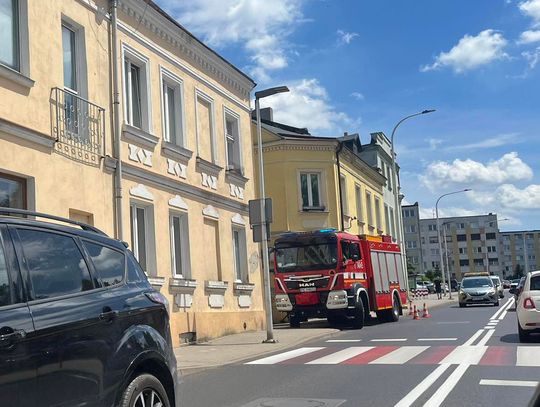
183	137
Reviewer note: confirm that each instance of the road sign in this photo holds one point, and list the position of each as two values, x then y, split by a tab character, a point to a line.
255	217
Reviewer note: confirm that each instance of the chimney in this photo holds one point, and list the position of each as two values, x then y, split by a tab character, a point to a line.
267	114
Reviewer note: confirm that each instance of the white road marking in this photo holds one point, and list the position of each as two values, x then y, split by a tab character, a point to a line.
425	384
399	356
453	322
473	338
489	327
270	360
436	339
468	355
442	392
528	356
501	309
486	337
518	383
389	340
343	340
501	317
340	356
493	322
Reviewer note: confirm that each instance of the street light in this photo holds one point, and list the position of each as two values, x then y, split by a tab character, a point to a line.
397	207
439	239
266	268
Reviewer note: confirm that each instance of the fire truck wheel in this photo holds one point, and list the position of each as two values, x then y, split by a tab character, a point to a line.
294	321
358	319
393	314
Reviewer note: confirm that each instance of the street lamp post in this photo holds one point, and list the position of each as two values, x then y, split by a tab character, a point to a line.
398	224
439	239
264	244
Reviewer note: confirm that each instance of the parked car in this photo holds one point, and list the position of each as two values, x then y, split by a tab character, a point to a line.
517	290
528	307
477	290
514	283
506	284
498	285
427	284
79	322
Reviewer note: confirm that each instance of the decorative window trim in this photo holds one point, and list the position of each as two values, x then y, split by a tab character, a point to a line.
216	285
322	190
143	63
178	203
167	77
243	256
211	212
232	114
238	219
176	152
138	136
206	166
213	142
20	76
232	177
140	191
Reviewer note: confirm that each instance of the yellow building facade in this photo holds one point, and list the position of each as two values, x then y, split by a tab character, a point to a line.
320	182
186	164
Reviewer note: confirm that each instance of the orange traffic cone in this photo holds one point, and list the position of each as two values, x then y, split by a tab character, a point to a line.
416	316
425	313
411	313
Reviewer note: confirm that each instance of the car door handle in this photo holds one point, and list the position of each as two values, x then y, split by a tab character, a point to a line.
108	315
13	336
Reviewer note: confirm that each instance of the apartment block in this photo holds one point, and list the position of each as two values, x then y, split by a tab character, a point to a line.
412	240
519	248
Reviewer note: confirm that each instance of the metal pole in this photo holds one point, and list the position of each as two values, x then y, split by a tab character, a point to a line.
264	243
447	259
440	246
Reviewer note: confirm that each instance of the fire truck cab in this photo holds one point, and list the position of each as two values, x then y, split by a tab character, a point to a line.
335	275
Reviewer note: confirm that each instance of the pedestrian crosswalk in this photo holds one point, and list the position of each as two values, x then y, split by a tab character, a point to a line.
399	355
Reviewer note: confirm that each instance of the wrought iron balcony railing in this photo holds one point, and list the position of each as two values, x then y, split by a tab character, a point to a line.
79	127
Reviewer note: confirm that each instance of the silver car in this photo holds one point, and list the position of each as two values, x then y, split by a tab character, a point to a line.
498	285
478	290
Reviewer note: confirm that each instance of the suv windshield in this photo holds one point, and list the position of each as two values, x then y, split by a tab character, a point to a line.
306	257
476	282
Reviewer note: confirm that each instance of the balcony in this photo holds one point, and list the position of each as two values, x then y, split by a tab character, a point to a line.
78	126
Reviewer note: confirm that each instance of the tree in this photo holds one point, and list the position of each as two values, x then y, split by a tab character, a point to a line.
410	268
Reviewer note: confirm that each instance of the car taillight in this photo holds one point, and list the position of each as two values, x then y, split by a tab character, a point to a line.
158	298
528	303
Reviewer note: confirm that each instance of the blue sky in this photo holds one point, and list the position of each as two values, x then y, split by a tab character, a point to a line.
360	66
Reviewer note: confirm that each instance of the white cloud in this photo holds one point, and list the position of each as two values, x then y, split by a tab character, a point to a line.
434	143
308	105
492	142
358	95
468	172
510	197
261	29
532	57
346	37
531	8
529	37
471	52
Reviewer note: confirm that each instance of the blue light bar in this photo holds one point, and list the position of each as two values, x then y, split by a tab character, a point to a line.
329	230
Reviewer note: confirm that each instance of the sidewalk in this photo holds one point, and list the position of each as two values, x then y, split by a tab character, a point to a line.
236	348
432	302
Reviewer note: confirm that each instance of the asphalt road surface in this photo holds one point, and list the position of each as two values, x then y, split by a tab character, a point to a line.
458	357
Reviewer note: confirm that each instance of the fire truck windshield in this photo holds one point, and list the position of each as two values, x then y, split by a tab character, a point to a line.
306	256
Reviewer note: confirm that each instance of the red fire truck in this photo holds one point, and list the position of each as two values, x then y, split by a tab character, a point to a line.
331	274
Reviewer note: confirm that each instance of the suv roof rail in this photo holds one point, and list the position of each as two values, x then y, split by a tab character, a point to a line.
83	226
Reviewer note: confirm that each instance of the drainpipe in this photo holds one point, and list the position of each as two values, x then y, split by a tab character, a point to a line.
116	123
338	150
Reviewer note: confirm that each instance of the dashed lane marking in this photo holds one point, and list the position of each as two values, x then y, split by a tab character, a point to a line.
436	339
389	340
343	340
517	383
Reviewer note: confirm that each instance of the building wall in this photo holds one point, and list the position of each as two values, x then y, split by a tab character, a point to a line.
514	252
411	228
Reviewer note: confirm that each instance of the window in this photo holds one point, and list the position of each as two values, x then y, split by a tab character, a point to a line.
392	225
110	264
378	213
136	95
55	264
5	291
390	177
179	232
474	225
349	251
240	255
411	244
12	192
433	239
464	262
410	229
173	109
206	141
461	238
478	250
494	262
232	138
414	259
435	264
491	236
434	252
69	58
343	190
387	219
492	249
475	236
358	197
310	190
142	236
9	34
460	225
462	250
478	262
432	228
369	209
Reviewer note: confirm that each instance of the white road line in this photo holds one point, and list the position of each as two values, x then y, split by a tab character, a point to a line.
473	338
340	356
389	340
343	340
425	384
518	383
436	339
501	317
528	356
468	355
489	327
493	323
399	356
501	309
442	392
453	322
486	337
270	360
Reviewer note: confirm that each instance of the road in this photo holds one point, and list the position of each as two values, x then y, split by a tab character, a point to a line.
458	357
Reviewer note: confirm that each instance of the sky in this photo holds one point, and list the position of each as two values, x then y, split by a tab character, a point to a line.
362	65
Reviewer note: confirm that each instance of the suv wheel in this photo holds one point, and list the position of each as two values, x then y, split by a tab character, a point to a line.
523	335
145	391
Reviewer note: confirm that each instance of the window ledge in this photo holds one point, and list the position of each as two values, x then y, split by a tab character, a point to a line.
208	167
243	287
216	285
314	209
156	282
17	77
130	133
234	177
176	152
182	284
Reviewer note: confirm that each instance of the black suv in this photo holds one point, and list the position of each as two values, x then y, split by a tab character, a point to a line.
79	323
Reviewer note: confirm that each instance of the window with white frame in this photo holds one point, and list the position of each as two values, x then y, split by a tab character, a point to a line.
142	236
387	219
410	229
14	52
232	140
432	228
179	233
310	189
392	224
369	209
389	176
206	141
378	213
411	244
136	95
240	254
172	95
343	190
